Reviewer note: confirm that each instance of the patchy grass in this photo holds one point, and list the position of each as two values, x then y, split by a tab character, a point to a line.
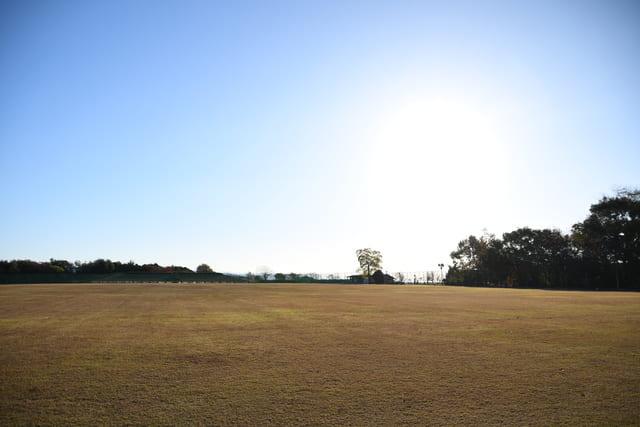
304	354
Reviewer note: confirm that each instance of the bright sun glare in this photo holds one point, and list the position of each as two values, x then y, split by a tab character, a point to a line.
439	145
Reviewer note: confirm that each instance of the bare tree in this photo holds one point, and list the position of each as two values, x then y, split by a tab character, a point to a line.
263	271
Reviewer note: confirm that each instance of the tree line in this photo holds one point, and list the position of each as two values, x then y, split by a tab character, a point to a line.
601	252
106	266
99	266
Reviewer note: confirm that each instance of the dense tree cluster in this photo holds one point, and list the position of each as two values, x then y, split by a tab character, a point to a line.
99	266
603	251
204	268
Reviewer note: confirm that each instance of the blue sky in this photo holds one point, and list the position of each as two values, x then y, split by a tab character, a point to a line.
290	134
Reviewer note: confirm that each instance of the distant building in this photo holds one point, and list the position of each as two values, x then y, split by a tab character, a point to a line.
378	277
381	278
358	278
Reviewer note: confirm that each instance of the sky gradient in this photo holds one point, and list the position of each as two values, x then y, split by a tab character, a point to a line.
290	134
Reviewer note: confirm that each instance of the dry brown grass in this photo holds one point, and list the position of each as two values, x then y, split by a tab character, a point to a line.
302	354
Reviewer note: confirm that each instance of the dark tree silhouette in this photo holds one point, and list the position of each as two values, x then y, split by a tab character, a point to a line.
603	251
204	268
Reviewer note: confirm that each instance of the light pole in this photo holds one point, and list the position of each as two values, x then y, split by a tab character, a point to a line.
620	261
441	276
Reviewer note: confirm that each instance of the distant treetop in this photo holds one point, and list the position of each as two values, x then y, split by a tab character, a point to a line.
204	268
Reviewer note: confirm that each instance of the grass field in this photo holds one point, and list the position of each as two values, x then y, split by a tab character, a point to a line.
317	354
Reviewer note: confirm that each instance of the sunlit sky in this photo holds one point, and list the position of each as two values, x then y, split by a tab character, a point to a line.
290	134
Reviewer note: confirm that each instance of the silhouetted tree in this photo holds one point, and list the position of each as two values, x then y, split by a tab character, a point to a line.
602	251
204	268
536	257
608	240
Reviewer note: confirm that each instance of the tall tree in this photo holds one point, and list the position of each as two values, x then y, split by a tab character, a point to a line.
609	239
369	260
